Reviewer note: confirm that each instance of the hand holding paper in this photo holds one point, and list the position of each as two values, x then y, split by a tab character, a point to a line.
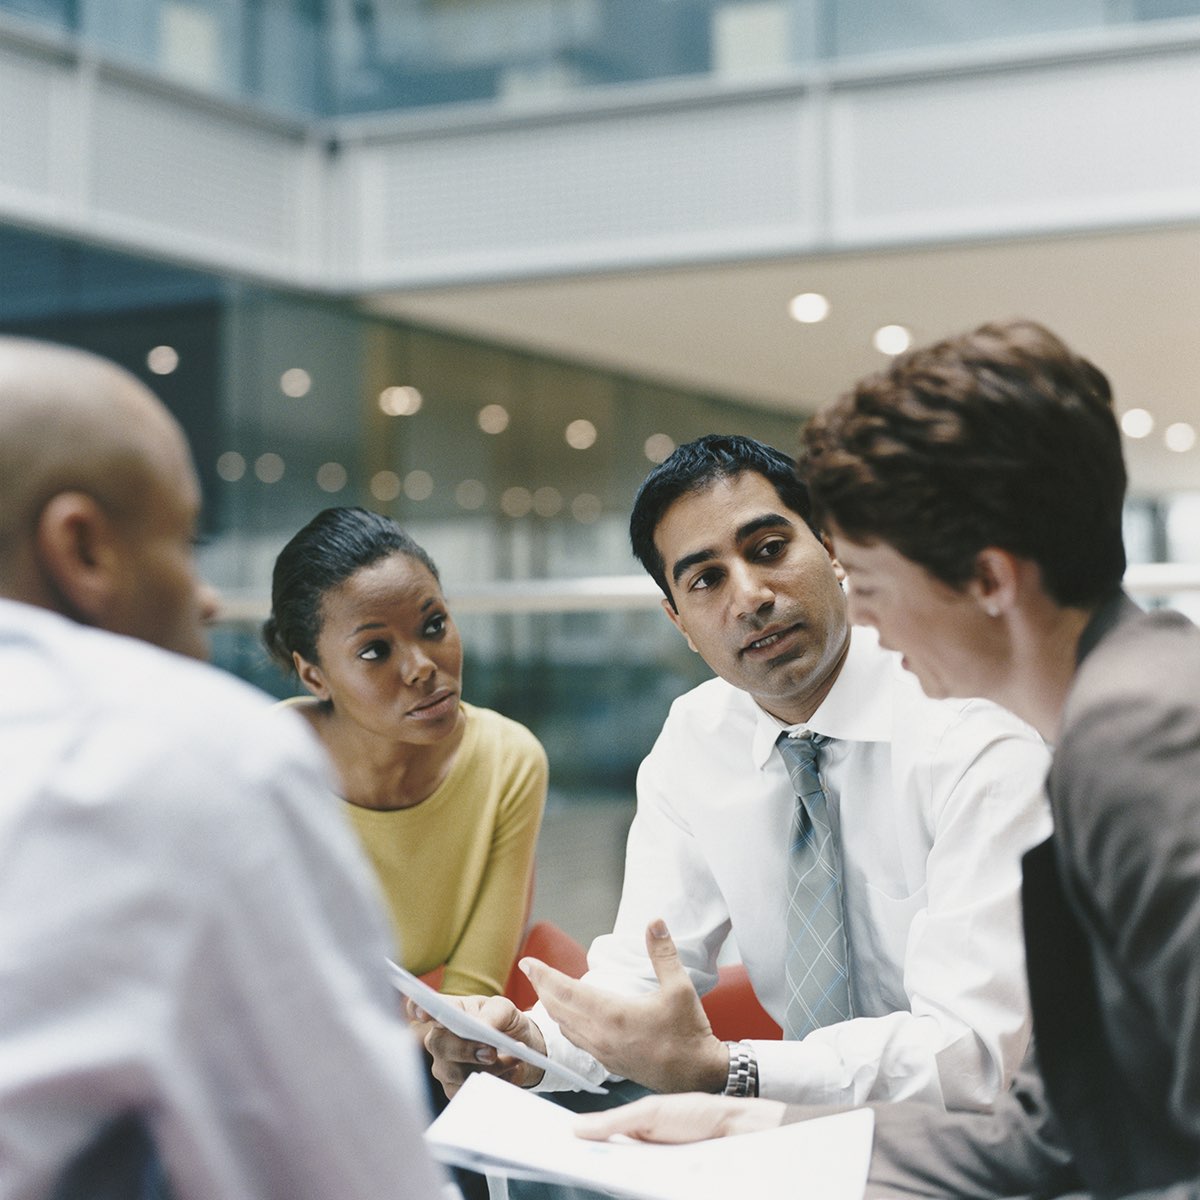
465	1033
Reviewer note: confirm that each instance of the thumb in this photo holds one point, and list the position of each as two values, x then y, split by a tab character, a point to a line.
543	976
664	957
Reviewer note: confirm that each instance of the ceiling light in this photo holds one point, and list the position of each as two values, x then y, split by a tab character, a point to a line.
493	418
231	466
658	447
580	435
162	360
547	502
586	508
470	494
808	308
269	468
418	485
399	401
892	339
1137	423
516	501
1180	437
385	485
331	477
295	382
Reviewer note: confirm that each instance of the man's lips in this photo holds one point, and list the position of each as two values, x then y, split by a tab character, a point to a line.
768	641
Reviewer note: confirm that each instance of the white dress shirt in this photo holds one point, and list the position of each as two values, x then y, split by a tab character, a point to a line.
933	802
189	931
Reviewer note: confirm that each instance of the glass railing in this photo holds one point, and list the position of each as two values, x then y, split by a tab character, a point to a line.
351	56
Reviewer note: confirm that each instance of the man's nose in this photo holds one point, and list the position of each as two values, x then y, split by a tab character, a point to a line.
752	589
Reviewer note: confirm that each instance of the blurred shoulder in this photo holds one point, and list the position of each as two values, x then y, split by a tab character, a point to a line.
145	709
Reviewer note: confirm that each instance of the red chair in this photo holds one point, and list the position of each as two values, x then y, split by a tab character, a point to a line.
553	946
733	1009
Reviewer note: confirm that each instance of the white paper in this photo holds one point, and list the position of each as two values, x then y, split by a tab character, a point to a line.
443	1010
495	1128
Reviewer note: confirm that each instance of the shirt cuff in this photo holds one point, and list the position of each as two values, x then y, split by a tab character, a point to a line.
563	1053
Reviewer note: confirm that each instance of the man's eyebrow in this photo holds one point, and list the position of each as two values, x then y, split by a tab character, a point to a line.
690	560
749	529
766	521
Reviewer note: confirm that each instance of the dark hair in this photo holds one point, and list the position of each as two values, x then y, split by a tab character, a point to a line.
697	465
1000	437
335	544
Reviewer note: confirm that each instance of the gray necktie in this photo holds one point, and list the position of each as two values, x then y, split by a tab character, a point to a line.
818	990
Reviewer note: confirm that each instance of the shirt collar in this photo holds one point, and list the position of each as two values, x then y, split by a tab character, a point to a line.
858	707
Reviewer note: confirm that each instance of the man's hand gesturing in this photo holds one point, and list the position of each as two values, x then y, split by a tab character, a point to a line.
661	1040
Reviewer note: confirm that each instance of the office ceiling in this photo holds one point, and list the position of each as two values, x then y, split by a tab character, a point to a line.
1129	300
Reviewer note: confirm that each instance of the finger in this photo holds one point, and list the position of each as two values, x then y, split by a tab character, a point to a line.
414	1012
445	1046
501	1013
600	1126
640	1120
551	985
664	956
539	972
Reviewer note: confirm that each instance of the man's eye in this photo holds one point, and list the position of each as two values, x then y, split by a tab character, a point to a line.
771	549
704	581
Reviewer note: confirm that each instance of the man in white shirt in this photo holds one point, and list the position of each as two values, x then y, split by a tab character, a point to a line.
192	995
931	802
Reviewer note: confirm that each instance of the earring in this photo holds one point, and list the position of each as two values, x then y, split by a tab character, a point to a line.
992	610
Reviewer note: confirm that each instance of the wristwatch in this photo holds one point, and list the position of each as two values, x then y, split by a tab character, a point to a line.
743	1070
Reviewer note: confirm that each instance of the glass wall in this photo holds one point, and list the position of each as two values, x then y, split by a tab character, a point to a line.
506	466
327	57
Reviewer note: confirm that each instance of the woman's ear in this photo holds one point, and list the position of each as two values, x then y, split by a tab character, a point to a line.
79	556
995	584
310	675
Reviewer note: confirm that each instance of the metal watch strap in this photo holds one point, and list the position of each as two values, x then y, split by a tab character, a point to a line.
743	1070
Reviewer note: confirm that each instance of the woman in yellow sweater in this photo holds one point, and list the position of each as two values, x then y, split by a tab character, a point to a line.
446	797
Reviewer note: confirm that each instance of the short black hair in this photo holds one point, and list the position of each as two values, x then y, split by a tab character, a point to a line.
697	465
335	544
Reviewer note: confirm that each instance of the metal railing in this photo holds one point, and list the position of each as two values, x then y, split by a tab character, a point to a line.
609	593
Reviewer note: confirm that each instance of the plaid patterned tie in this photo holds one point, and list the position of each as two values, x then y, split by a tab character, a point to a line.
818	990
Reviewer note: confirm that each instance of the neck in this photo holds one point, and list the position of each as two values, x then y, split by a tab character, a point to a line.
379	773
1044	658
797	709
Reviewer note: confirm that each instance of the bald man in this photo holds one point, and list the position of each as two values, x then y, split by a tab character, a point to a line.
192	998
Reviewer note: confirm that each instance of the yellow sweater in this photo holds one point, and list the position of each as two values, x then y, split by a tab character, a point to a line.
457	868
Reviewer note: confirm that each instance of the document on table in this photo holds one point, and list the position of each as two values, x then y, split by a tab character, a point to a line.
495	1128
443	1010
